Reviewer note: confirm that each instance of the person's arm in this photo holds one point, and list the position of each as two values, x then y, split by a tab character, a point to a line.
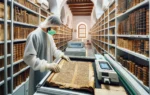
57	53
30	53
30	56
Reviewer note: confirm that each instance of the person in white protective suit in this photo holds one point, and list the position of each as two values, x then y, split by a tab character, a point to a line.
39	51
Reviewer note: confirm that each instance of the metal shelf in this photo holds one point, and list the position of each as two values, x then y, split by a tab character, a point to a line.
25	24
8	55
20	40
134	53
111	35
98	46
2	20
111	3
111	55
139	81
134	36
113	45
61	41
2	82
8	41
33	3
22	6
17	62
112	11
20	85
145	2
14	75
106	16
43	16
112	19
111	27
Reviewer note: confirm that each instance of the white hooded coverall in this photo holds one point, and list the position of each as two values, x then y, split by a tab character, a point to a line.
39	51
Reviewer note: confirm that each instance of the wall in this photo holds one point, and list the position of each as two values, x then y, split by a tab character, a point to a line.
79	19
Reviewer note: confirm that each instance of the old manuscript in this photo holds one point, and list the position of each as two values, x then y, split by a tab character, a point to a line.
73	75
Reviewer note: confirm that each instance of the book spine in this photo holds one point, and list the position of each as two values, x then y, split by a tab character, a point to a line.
139	71
147	21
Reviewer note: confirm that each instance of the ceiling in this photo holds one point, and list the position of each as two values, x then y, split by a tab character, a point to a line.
80	7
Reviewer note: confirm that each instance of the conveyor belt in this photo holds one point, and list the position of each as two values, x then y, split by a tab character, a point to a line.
45	90
43	87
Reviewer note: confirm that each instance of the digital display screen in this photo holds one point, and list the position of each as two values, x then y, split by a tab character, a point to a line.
76	44
104	66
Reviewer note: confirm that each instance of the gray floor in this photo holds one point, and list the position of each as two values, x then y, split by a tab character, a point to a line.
89	51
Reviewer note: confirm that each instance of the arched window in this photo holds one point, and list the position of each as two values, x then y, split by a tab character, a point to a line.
82	31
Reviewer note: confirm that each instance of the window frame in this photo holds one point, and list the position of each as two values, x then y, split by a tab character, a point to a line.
80	32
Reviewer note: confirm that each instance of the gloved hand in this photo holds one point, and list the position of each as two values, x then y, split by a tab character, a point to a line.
53	67
66	58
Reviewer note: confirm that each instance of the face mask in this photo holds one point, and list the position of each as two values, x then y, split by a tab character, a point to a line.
51	32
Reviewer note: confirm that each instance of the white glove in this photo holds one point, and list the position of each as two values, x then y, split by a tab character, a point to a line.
66	58
53	67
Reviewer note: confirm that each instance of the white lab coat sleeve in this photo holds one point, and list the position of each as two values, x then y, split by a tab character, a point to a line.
30	54
57	53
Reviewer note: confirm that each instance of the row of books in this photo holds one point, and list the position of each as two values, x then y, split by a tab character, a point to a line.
18	51
106	25
43	13
42	19
2	89
106	47
1	75
2	10
58	40
147	21
136	24
112	31
20	78
21	32
136	45
124	5
112	51
106	12
102	39
98	48
22	15
106	32
106	39
28	5
112	41
112	15
63	48
58	36
141	72
112	23
2	32
2	49
19	66
2	62
106	19
112	7
103	27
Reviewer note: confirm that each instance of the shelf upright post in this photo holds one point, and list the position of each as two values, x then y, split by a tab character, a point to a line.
116	24
108	31
104	33
5	48
149	46
39	15
12	40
